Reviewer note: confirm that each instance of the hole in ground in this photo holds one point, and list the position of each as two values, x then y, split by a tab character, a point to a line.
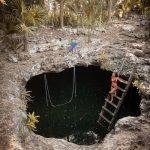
76	121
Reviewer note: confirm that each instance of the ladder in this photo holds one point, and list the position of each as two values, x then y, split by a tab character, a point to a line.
111	114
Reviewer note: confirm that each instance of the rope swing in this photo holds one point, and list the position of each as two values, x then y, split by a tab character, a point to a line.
47	93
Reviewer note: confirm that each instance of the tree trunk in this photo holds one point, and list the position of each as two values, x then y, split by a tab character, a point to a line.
62	13
109	10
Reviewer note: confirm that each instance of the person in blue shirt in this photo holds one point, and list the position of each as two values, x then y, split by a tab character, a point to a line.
73	45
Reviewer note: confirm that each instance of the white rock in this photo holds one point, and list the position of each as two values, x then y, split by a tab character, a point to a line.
13	59
35	68
138	45
132	57
128	28
33	49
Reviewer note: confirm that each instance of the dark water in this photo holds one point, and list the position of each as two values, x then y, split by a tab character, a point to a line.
76	121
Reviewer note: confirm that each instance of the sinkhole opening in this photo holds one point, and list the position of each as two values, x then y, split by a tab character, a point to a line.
76	121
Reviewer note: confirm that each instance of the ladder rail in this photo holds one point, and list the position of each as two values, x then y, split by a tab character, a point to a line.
121	101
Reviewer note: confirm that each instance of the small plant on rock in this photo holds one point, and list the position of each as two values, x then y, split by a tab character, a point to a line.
136	83
31	121
104	61
25	95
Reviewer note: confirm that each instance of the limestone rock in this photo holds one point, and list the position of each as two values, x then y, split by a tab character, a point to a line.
13	58
138	45
139	53
128	123
128	28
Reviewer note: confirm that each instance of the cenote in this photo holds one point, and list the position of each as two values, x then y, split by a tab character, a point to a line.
76	121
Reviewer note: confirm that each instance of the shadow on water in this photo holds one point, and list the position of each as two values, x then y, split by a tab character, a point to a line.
76	121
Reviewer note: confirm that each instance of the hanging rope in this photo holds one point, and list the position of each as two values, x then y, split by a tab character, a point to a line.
47	94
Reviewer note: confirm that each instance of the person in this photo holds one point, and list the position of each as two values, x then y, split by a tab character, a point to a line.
114	79
73	45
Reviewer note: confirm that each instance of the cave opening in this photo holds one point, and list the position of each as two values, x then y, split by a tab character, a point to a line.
77	120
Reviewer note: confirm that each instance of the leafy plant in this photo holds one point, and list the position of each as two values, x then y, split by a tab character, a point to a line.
104	61
35	15
25	95
16	17
124	7
31	121
136	83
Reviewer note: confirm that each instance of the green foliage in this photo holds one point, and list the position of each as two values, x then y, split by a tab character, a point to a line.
25	95
136	83
104	61
16	17
70	19
35	15
15	13
79	13
31	121
34	2
127	6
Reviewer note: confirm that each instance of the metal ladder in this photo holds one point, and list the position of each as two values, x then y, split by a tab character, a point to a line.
116	106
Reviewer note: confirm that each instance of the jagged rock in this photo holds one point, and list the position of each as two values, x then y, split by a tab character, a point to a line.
138	45
33	49
128	28
13	58
139	53
128	123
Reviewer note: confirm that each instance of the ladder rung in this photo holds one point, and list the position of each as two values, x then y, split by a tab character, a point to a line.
119	98
108	101
119	88
108	111
101	124
124	81
105	118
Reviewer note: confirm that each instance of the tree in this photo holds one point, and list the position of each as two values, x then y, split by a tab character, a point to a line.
17	18
62	13
109	9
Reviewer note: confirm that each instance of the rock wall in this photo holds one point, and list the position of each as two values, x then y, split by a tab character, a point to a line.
48	52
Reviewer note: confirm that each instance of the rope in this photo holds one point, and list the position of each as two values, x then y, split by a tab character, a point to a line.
47	94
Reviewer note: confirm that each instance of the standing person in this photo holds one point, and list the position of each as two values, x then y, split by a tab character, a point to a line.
114	79
73	45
